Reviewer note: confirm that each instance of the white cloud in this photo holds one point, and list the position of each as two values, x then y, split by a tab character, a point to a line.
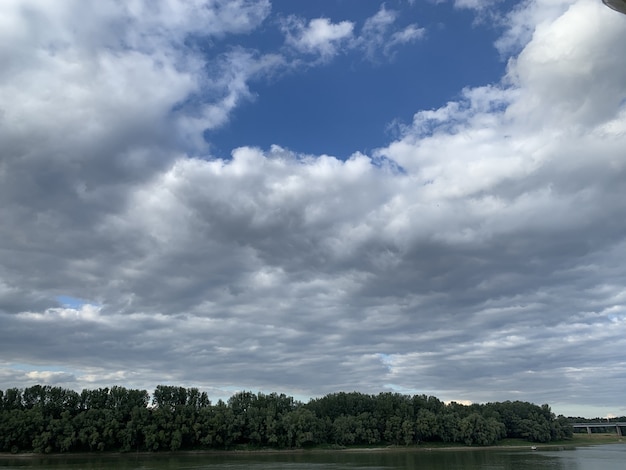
326	39
212	17
475	4
229	85
378	33
319	36
408	34
114	70
571	64
524	19
380	22
49	377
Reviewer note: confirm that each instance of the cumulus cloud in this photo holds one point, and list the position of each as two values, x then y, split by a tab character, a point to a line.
87	111
478	256
375	34
327	39
319	36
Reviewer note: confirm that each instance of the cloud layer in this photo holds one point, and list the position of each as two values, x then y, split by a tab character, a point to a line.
478	256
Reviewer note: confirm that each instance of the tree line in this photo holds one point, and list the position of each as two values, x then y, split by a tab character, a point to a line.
46	419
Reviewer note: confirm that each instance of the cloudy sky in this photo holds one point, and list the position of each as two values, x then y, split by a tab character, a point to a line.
421	196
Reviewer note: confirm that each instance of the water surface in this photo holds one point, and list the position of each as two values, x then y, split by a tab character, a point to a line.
605	457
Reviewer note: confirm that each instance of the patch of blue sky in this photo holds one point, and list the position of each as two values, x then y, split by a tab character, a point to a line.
348	104
386	359
383	162
22	366
68	301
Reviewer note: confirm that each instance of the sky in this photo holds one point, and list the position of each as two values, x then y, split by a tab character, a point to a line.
423	197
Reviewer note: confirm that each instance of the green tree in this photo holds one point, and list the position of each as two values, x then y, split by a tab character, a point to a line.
426	425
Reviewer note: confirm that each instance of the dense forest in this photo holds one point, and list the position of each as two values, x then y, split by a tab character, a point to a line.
47	419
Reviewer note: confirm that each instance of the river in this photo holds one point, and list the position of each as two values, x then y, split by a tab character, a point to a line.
605	457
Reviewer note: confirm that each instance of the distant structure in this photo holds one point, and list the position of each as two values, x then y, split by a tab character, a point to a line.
618	426
617	5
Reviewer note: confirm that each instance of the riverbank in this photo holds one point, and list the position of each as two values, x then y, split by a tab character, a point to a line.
578	440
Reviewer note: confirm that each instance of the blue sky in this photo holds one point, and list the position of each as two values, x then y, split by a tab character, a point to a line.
311	197
356	102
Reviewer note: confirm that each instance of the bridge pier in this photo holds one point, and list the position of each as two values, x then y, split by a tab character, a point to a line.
619	431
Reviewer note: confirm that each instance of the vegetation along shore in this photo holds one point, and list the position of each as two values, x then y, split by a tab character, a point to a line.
45	419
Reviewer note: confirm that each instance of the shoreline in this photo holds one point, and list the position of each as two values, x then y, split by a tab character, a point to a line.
522	446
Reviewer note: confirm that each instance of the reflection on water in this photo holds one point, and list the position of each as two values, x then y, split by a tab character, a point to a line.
608	457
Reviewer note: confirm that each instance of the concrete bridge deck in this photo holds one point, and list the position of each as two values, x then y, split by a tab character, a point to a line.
588	426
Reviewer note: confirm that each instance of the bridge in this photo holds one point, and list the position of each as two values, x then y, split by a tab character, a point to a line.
608	425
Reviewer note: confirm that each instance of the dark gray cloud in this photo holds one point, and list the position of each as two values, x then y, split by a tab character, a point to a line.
490	268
